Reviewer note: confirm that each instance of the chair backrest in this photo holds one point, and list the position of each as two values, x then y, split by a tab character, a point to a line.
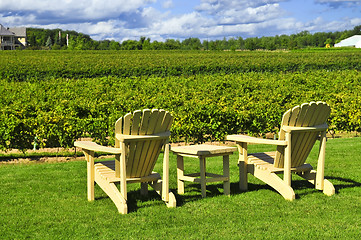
141	156
306	115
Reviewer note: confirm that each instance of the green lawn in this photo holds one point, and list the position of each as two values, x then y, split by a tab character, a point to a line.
48	201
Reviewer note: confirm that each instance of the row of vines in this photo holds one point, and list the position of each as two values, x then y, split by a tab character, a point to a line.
55	98
39	66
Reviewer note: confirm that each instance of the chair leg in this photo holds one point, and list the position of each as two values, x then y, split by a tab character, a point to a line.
172	202
226	184
275	182
180	174
89	156
311	176
144	188
242	164
158	187
328	188
113	192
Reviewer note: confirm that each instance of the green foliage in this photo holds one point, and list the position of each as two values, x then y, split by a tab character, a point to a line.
61	96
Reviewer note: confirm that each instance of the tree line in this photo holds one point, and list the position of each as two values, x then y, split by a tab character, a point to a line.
57	39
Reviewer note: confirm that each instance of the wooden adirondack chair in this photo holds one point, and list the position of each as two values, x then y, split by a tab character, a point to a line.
300	128
139	138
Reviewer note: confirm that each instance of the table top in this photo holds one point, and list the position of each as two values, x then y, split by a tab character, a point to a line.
204	149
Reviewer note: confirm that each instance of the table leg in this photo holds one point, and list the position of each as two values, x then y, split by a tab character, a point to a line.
180	174
226	184
202	163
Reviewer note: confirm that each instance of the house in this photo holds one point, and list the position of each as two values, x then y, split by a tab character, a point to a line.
12	38
20	36
354	41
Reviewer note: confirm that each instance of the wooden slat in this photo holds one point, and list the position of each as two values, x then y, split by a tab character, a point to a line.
118	130
132	146
136	122
294	116
285	119
165	125
127	124
308	139
302	114
139	145
148	147
280	149
159	127
297	138
145	122
157	145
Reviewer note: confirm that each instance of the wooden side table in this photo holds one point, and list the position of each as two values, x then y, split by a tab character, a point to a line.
201	152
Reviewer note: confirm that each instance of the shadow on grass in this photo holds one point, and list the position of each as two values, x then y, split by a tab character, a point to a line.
345	183
299	185
193	192
136	199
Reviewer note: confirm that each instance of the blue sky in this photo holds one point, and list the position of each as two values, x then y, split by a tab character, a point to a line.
162	19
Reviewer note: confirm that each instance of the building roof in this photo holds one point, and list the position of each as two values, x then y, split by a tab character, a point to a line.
5	32
354	41
19	31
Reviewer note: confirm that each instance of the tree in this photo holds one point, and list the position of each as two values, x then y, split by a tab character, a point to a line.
328	41
251	44
49	42
104	45
32	40
147	45
356	30
157	45
114	45
192	44
131	45
171	44
240	43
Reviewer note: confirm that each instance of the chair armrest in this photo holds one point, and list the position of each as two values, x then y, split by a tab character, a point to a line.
317	128
129	138
248	139
92	146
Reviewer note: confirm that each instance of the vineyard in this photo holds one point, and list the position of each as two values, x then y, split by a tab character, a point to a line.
56	97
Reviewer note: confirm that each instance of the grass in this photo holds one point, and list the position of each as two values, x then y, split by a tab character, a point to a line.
48	201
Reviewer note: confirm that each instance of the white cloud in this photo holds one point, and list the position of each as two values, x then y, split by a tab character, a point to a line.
214	7
168	4
251	15
15	20
73	9
339	3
